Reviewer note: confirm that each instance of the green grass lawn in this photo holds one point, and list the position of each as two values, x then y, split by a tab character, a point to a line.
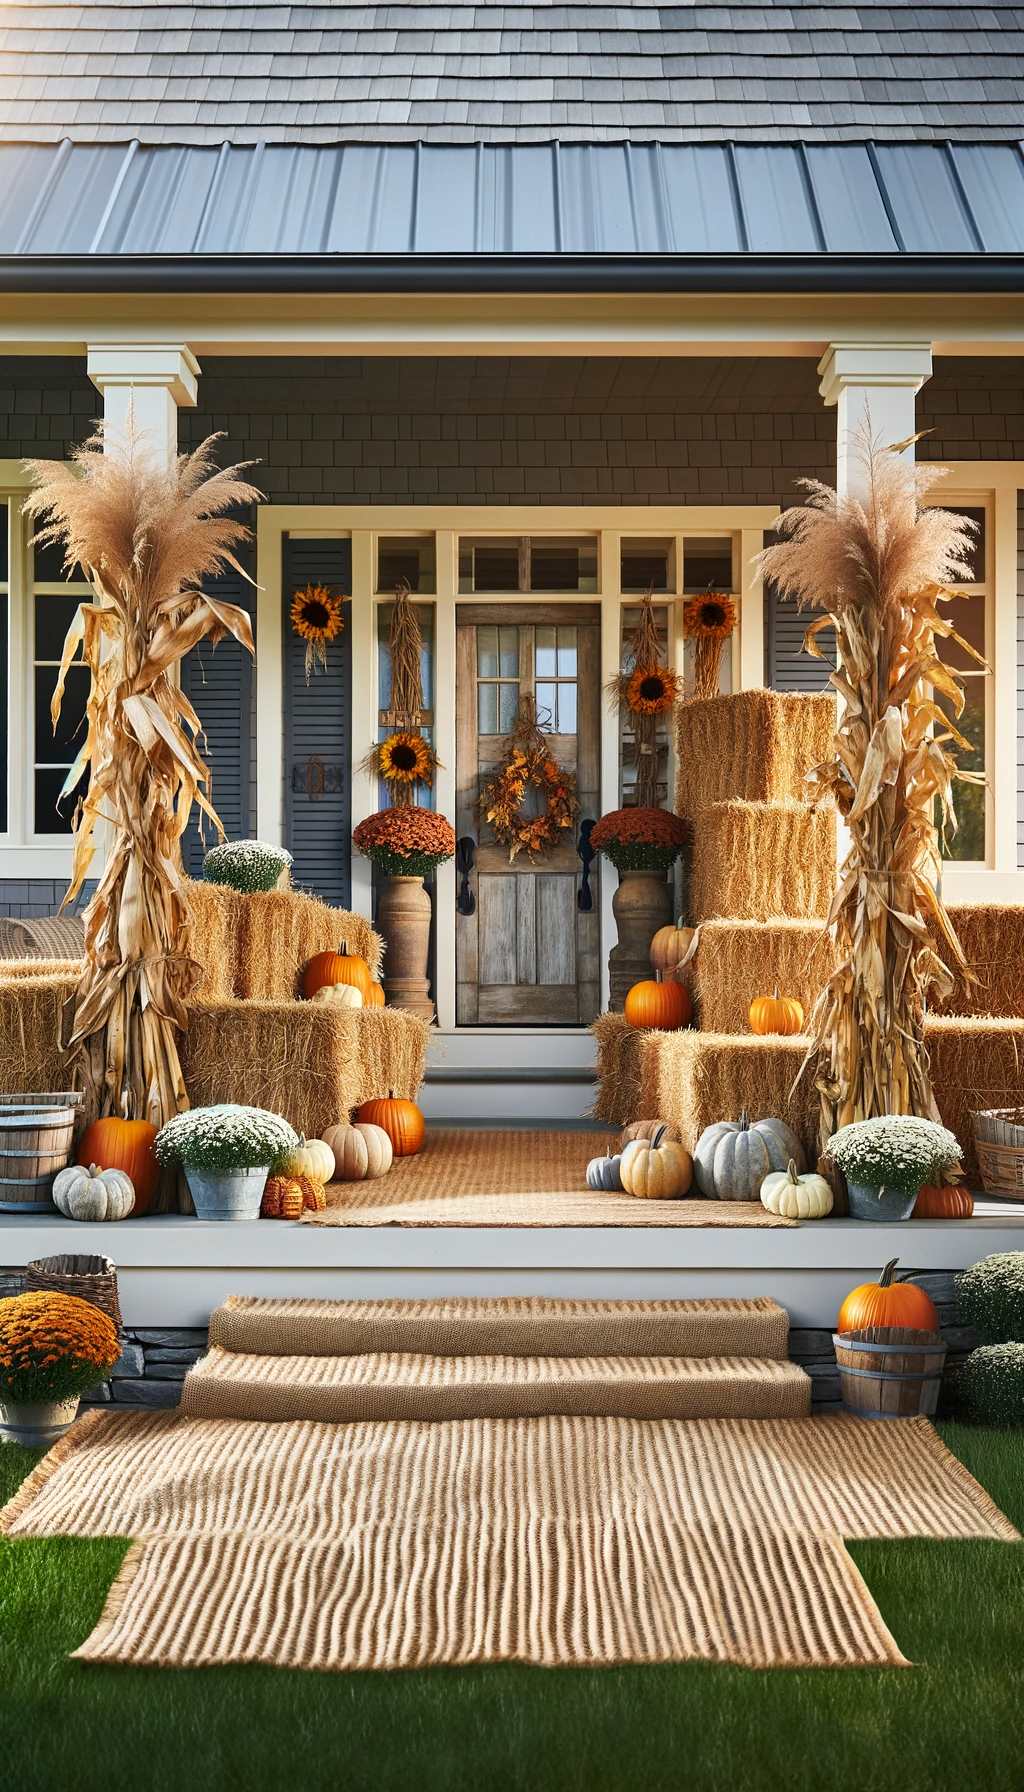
952	1722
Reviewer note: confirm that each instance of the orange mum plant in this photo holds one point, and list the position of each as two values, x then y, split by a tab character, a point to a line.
640	839
407	842
53	1346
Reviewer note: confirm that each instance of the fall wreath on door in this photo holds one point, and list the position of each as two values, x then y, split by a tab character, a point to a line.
531	799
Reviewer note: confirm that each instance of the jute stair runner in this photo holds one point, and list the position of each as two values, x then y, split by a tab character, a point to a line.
518	1177
549	1540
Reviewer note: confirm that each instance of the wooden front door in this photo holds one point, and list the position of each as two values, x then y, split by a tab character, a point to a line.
528	955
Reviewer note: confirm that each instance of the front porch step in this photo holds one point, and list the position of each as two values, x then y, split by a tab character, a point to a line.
495	1075
228	1384
511	1326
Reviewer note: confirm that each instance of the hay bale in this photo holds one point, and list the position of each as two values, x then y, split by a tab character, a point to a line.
992	936
694	1079
976	1062
299	1059
738	960
210	939
277	932
392	1052
757	861
16	970
757	745
30	1026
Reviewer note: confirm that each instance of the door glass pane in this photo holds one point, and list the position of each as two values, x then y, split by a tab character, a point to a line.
508	649
507	706
567	708
546	660
707	564
567	653
547	706
487	652
487	708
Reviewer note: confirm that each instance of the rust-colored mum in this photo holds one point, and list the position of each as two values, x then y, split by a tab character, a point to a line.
406	841
53	1346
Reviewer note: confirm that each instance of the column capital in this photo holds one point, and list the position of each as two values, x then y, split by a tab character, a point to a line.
867	364
139	365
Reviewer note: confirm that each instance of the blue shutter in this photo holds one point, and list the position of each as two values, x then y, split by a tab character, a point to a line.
318	731
787	666
218	683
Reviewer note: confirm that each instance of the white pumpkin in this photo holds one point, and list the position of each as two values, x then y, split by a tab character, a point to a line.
733	1157
310	1157
796	1197
657	1169
361	1153
93	1194
340	995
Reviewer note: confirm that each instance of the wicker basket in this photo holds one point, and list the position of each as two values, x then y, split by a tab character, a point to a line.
999	1140
92	1278
890	1371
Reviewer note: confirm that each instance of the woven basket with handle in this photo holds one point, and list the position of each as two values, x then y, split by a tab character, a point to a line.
999	1142
92	1278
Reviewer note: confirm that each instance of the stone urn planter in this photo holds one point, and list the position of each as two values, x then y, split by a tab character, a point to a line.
641	904
36	1424
403	920
227	1194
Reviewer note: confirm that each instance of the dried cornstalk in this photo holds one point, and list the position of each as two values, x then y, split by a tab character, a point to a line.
878	569
406	647
658	690
146	536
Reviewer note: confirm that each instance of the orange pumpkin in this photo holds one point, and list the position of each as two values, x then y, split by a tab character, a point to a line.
375	999
943	1201
402	1121
776	1014
659	1006
116	1144
887	1302
342	966
669	947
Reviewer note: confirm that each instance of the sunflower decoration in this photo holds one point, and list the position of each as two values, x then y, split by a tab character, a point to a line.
708	621
404	760
531	799
316	617
645	692
651	690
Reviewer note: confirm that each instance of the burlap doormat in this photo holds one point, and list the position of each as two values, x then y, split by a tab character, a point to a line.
550	1540
514	1178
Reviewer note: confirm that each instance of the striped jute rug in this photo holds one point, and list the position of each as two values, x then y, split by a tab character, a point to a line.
464	1177
552	1540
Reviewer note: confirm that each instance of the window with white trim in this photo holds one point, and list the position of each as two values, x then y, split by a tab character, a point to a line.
972	617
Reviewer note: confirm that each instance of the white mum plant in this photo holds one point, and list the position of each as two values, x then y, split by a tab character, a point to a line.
895	1151
246	864
225	1137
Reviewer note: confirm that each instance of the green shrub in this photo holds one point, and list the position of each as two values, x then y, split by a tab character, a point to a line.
990	1385
991	1297
245	864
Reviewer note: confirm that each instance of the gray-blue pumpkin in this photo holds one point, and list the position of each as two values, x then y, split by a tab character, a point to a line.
603	1172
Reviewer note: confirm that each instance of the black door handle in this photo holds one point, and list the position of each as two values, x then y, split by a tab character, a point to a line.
465	859
587	855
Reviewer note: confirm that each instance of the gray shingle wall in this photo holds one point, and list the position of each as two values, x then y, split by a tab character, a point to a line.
491	72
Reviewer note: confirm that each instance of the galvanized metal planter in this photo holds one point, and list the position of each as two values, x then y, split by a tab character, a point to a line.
227	1194
886	1204
36	1423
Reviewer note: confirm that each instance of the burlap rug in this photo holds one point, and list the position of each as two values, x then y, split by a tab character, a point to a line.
549	1540
463	1177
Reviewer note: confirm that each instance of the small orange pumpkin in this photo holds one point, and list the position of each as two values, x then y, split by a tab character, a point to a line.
887	1302
375	999
342	966
282	1199
661	1007
776	1014
669	948
943	1201
402	1121
116	1144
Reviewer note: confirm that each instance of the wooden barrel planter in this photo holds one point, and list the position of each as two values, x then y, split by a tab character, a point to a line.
35	1142
890	1371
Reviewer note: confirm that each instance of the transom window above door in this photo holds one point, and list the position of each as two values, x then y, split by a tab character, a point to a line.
500	563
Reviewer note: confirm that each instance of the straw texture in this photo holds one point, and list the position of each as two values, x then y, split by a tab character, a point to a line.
754	861
227	1384
517	1178
738	960
392	1052
299	1059
509	1325
30	1033
992	937
263	939
975	1063
757	745
15	970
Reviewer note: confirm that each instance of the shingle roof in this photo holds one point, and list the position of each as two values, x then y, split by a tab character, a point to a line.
205	72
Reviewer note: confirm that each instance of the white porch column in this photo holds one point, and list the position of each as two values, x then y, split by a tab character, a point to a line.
149	381
877	382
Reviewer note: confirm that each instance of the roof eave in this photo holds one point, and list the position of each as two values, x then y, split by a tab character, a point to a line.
413	273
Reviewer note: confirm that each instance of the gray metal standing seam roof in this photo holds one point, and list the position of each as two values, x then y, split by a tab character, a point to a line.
206	71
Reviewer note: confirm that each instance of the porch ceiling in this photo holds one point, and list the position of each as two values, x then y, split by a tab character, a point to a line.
654	216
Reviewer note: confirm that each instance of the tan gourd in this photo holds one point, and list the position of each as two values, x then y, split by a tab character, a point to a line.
361	1152
658	1169
796	1197
671	947
310	1157
339	995
646	1129
89	1193
282	1199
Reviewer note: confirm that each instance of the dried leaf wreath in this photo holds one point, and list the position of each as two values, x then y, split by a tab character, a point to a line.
405	758
708	621
317	617
646	689
529	765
